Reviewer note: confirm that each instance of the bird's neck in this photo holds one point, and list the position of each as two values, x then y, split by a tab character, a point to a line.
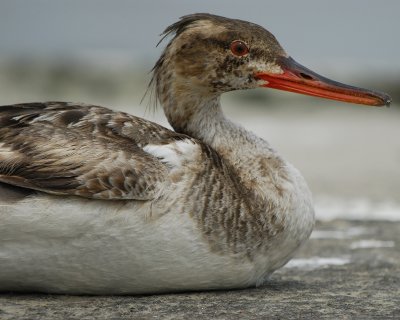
201	117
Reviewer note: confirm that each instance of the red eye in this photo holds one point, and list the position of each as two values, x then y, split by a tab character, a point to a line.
239	48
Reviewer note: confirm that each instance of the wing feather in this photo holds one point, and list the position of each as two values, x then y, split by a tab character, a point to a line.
83	150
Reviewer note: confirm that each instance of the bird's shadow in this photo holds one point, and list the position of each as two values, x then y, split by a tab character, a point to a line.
272	286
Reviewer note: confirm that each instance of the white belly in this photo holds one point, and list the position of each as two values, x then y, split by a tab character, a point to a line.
52	244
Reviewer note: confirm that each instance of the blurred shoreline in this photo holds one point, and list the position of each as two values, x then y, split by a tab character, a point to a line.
117	78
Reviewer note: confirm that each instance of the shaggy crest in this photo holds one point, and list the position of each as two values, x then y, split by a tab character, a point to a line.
174	29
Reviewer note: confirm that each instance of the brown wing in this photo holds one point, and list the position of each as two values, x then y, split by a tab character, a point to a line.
83	150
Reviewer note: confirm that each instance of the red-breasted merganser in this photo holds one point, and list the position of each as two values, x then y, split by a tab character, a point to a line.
94	201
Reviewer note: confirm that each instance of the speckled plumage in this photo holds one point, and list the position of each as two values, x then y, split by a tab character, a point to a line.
208	206
82	150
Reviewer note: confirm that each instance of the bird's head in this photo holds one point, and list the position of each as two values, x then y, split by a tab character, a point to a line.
212	54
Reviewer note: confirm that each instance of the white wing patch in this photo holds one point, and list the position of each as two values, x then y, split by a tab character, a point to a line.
6	153
174	154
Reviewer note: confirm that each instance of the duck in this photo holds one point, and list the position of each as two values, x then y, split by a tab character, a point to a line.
96	201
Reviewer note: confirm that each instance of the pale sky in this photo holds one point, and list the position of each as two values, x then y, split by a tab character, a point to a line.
363	33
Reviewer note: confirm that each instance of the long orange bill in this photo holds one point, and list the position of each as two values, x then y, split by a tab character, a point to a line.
299	79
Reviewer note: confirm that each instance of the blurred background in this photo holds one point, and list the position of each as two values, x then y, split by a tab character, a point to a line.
101	52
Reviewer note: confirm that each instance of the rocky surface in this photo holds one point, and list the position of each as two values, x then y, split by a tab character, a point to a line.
347	270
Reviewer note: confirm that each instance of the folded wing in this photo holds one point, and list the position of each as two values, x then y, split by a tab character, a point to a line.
82	150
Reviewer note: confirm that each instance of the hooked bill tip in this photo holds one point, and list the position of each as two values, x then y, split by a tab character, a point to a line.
385	98
388	102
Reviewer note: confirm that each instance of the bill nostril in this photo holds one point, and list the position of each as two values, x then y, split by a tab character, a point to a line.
306	76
